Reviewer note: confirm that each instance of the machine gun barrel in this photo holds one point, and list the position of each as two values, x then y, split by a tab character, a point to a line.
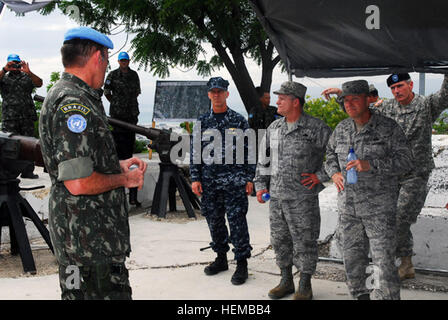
150	133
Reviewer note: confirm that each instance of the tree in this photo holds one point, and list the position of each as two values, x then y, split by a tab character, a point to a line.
173	32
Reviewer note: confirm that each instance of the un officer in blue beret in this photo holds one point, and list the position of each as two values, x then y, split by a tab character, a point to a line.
88	212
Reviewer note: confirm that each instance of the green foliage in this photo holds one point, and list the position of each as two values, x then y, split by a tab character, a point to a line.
183	125
172	33
140	146
441	124
329	111
55	76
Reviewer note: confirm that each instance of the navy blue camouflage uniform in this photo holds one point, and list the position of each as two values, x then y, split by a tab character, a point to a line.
224	185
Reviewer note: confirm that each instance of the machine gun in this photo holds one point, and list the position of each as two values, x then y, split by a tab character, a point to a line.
170	177
16	152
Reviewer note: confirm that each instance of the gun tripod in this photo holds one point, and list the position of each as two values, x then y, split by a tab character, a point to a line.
13	208
170	180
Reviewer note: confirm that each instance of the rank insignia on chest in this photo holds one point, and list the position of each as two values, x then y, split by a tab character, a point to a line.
75	107
76	123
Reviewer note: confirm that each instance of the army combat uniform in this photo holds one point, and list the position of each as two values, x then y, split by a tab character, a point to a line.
18	111
261	118
416	120
87	231
124	87
224	185
294	209
367	209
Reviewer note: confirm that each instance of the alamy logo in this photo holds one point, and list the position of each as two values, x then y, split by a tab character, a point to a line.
373	20
73	281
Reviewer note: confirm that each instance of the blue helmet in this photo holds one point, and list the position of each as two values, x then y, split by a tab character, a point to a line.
13	57
123	56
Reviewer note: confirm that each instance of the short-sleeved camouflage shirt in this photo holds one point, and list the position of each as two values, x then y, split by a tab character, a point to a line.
16	89
76	141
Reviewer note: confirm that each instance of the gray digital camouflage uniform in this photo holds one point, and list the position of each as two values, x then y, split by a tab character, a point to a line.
18	111
89	231
294	209
367	209
416	120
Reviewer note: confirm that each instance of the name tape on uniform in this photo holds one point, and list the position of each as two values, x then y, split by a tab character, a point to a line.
75	107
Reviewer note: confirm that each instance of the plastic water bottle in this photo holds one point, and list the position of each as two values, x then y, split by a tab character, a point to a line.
352	175
265	196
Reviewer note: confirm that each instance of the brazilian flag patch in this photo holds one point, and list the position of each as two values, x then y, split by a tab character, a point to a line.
75	107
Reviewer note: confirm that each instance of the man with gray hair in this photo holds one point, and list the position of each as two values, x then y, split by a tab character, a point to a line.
294	175
367	208
415	114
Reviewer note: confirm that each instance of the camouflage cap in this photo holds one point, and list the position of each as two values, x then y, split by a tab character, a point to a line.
293	88
355	87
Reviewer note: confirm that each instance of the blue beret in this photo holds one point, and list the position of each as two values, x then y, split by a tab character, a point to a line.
217	82
13	57
88	34
397	77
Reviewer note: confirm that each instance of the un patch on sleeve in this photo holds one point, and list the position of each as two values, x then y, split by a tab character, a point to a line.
76	123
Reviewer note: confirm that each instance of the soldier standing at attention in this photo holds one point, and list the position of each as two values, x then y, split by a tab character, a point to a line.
121	88
18	111
415	114
295	183
224	187
88	214
367	209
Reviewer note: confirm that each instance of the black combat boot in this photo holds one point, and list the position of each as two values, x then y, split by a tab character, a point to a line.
304	292
365	296
133	197
220	264
240	276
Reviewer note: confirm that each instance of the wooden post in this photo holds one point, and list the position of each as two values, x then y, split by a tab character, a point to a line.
150	141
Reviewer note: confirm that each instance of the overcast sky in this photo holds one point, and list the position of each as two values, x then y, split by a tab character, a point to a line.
37	40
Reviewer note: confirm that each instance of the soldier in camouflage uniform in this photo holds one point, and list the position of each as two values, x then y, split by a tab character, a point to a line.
17	83
224	187
121	88
415	114
294	182
367	209
88	214
261	116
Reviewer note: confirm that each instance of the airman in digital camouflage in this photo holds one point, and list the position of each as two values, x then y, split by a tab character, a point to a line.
121	88
297	143
223	182
415	114
367	209
88	214
17	83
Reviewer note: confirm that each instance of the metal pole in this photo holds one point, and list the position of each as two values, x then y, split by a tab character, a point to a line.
421	84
